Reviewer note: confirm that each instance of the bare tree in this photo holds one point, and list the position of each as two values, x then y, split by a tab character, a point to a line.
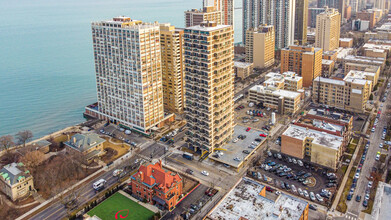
33	159
24	136
6	142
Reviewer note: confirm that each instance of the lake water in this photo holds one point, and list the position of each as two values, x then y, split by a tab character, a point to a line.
46	60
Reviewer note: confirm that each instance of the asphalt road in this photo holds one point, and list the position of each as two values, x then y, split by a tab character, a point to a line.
58	211
354	208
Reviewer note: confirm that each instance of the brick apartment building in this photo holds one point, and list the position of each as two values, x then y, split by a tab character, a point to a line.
157	186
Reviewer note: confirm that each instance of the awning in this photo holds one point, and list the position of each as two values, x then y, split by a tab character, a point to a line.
159	200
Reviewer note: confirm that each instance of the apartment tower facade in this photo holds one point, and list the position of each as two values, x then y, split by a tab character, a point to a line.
328	27
195	17
226	7
260	46
279	13
209	85
301	21
171	42
128	72
304	61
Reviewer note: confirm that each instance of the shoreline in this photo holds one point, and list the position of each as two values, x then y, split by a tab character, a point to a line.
46	137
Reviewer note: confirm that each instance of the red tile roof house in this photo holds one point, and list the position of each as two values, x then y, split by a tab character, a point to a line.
157	186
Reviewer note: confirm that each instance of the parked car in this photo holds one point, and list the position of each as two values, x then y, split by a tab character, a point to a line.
349	197
358	198
365	203
269	189
300	191
312	196
248	129
306	194
313	207
319	198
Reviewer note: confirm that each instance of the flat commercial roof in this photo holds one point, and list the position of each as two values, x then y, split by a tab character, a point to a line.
381	207
328	80
242	64
236	149
204	28
244	201
321	138
327	62
346	39
280	92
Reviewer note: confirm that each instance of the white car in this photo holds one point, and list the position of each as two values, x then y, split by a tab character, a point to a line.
205	173
312	196
300	163
319	197
300	191
357	175
294	188
381	145
370	183
117	172
306	194
278	192
235	140
294	161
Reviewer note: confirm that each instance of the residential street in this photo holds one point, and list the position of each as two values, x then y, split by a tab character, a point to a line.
354	208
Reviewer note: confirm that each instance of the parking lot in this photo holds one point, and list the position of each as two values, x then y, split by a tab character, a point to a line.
239	149
191	204
244	119
306	177
120	135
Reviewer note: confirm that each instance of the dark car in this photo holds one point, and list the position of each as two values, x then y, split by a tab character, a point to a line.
258	139
269	189
287	186
329	185
282	185
189	171
332	181
289	176
282	174
358	198
349	197
365	203
307	175
313	207
300	173
246	152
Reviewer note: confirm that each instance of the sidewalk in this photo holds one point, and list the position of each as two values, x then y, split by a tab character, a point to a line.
47	202
345	179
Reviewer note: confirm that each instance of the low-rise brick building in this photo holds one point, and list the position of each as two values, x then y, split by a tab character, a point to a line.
157	186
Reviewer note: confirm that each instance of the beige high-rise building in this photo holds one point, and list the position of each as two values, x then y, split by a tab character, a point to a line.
128	73
260	46
304	61
195	17
226	7
350	94
209	85
328	27
171	42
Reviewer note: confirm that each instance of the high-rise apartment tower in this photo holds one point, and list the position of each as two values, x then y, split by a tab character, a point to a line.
209	85
171	40
328	26
128	72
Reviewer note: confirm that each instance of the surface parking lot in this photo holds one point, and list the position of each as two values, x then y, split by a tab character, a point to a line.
316	173
240	149
242	118
113	129
191	204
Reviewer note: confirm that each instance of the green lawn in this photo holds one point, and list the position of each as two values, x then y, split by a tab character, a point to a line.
108	208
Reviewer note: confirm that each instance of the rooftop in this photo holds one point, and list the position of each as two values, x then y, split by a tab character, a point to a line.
377	46
319	137
345	118
322	124
205	28
244	201
381	207
330	81
327	62
83	142
279	92
346	39
13	173
343	52
242	64
374	60
153	175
